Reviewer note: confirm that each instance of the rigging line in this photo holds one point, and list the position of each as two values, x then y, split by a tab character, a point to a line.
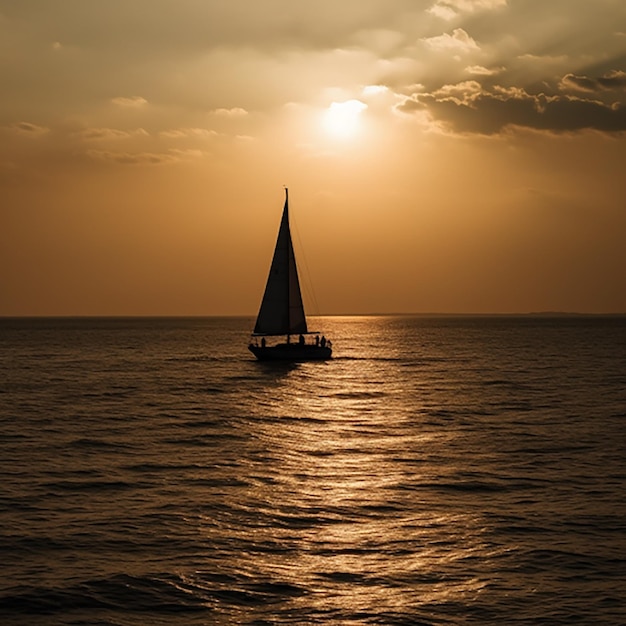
308	283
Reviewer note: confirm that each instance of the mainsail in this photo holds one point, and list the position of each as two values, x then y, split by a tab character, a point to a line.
282	312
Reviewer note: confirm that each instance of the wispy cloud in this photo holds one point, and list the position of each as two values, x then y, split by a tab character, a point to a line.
28	129
374	90
479	70
104	134
130	158
143	158
179	133
185	155
443	11
450	9
133	101
233	112
614	80
459	41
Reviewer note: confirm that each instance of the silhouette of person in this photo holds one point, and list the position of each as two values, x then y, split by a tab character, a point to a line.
323	341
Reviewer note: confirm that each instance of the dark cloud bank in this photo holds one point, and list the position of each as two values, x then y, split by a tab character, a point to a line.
491	111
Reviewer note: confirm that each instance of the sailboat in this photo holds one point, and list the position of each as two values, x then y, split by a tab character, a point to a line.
282	313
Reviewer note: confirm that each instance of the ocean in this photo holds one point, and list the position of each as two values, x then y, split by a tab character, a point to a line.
437	471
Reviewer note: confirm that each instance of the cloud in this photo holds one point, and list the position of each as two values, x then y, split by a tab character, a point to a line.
443	11
27	129
234	112
470	6
450	9
143	158
459	92
185	155
104	134
128	158
468	108
459	40
133	101
374	90
613	80
180	133
479	70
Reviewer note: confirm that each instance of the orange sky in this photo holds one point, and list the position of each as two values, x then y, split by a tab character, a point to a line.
441	155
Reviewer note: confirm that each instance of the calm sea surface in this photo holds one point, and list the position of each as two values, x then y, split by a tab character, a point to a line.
436	471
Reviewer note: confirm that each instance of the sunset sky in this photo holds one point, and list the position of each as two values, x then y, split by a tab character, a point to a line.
459	156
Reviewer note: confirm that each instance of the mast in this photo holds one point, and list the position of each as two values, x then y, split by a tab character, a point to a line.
286	218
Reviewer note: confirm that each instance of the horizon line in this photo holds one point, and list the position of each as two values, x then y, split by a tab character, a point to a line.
372	314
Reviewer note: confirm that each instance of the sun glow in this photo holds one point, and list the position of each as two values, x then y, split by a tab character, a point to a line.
342	118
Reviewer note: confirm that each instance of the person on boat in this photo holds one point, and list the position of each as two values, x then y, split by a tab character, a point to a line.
262	342
301	340
317	340
323	342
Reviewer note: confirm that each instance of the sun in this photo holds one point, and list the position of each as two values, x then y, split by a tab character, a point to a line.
341	119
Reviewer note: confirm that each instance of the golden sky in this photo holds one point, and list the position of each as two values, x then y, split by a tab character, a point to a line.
441	155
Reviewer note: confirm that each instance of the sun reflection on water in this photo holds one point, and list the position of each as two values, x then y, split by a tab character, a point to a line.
346	488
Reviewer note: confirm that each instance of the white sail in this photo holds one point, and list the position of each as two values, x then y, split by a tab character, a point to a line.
282	312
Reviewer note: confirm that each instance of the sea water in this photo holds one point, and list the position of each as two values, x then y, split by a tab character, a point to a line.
438	470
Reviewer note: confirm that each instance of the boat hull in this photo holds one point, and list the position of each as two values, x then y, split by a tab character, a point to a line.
291	352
